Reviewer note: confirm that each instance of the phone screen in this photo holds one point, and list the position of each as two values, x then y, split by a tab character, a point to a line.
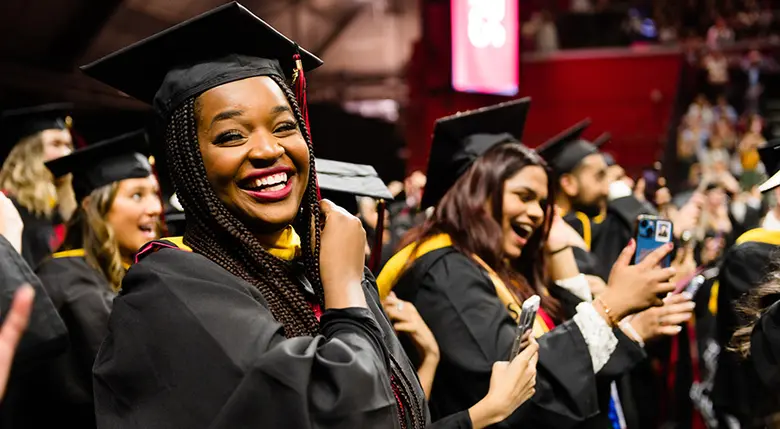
651	233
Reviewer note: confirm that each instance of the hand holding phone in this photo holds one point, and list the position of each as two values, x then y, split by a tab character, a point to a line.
525	325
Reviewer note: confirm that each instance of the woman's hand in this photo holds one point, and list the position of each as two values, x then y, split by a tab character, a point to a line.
11	225
342	257
11	332
633	288
666	320
406	318
562	234
511	384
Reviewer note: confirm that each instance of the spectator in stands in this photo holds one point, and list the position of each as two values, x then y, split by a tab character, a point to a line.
772	219
541	31
715	153
581	6
719	35
752	65
717	66
724	111
701	110
752	173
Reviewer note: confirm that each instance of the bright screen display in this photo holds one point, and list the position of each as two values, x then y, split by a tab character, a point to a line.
485	46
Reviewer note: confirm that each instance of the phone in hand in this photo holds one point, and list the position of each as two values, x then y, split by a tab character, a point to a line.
652	232
525	325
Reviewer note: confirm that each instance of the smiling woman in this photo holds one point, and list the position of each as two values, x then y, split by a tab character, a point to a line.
118	212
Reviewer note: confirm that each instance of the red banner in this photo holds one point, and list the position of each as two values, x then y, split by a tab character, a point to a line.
485	46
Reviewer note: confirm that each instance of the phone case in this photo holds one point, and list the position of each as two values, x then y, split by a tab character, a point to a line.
652	232
527	318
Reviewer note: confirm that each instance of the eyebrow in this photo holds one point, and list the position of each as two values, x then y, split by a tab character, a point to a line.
223	116
281	109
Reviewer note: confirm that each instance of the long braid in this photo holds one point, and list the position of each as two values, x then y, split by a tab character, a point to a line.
214	232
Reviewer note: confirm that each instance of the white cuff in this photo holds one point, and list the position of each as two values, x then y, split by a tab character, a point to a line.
577	285
600	339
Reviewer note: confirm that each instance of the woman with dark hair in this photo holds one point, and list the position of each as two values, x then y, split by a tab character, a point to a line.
493	242
263	315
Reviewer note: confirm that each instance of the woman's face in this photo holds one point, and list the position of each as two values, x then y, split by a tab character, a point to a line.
135	213
56	144
256	158
524	200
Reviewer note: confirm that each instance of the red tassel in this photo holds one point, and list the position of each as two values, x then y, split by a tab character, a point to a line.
299	87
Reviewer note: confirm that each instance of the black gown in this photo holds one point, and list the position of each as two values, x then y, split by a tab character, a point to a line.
457	300
192	346
41	235
45	337
83	297
737	390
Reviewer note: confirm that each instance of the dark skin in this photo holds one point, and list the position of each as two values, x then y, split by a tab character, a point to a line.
247	127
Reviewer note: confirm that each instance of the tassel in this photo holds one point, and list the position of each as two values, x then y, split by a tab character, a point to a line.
376	251
299	87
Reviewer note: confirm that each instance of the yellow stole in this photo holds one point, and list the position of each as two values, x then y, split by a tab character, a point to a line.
758	235
287	247
398	264
77	253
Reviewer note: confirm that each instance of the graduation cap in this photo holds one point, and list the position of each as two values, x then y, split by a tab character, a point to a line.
770	157
460	139
17	124
226	44
104	162
567	149
343	183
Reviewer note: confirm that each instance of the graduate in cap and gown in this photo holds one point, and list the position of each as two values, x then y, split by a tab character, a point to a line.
262	314
358	189
29	137
491	243
581	172
351	186
745	266
118	212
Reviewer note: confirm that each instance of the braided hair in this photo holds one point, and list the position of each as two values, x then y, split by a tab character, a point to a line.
213	231
217	234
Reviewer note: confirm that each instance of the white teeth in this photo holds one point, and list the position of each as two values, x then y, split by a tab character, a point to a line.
271	181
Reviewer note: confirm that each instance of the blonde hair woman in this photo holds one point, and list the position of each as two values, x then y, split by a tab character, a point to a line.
31	137
118	213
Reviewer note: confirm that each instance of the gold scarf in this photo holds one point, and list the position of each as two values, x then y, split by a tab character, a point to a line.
287	247
398	264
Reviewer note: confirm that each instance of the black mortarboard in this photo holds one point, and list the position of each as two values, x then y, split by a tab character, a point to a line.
104	162
343	183
765	347
566	150
460	139
770	157
20	123
226	44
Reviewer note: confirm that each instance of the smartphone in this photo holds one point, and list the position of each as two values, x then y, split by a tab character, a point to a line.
527	317
695	284
652	232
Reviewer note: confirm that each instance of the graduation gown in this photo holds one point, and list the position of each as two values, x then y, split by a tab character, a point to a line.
45	337
82	297
737	389
192	346
457	300
41	235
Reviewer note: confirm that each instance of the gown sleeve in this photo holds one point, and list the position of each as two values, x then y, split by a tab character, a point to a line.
474	330
192	346
85	299
46	335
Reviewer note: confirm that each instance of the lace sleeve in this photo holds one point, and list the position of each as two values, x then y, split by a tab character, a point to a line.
598	335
